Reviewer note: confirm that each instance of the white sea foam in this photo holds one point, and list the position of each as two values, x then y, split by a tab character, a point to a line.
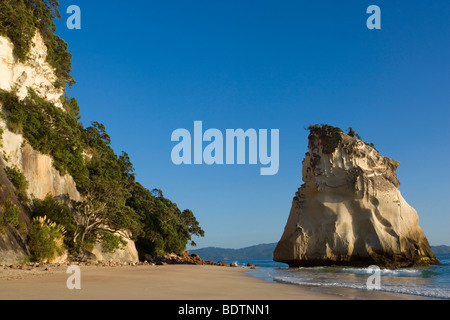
386	272
396	281
413	290
432	282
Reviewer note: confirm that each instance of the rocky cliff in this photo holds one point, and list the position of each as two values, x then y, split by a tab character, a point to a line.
13	248
349	210
38	75
35	73
38	169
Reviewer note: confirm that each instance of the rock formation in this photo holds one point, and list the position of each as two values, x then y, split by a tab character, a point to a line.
37	74
13	249
349	210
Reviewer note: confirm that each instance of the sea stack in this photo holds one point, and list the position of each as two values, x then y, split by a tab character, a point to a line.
349	210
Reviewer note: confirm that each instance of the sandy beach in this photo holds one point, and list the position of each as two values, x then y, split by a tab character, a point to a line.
170	282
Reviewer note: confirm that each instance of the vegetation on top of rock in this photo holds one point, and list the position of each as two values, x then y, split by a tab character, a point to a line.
352	133
19	20
19	181
329	136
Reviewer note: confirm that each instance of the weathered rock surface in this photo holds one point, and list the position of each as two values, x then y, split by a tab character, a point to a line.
12	247
43	179
349	211
128	254
184	258
35	73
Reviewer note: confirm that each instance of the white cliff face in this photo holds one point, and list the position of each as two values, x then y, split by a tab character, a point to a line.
35	73
350	211
126	254
43	179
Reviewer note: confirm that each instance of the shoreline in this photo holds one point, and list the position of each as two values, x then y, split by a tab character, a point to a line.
348	292
169	282
344	293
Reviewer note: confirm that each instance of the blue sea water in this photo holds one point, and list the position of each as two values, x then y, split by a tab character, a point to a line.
428	282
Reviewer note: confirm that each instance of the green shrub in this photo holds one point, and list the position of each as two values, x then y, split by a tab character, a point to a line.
9	215
111	242
351	132
57	212
3	117
12	212
45	239
19	181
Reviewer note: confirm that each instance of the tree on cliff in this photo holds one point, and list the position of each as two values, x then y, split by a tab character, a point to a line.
188	219
351	132
94	220
103	211
166	229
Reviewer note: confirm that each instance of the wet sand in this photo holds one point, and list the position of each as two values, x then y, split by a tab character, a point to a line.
170	282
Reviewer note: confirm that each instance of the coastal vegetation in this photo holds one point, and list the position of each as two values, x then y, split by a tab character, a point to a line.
19	181
165	227
21	19
9	214
331	136
45	239
114	205
113	200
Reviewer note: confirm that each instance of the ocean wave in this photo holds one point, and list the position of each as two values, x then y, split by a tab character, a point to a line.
428	282
433	293
289	280
386	272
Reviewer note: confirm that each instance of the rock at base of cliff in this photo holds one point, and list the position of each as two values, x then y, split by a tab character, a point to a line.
128	254
13	249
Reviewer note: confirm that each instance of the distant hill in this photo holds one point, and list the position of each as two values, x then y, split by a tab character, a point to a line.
263	251
440	249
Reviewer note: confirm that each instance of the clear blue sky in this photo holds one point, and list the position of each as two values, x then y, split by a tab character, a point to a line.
146	68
